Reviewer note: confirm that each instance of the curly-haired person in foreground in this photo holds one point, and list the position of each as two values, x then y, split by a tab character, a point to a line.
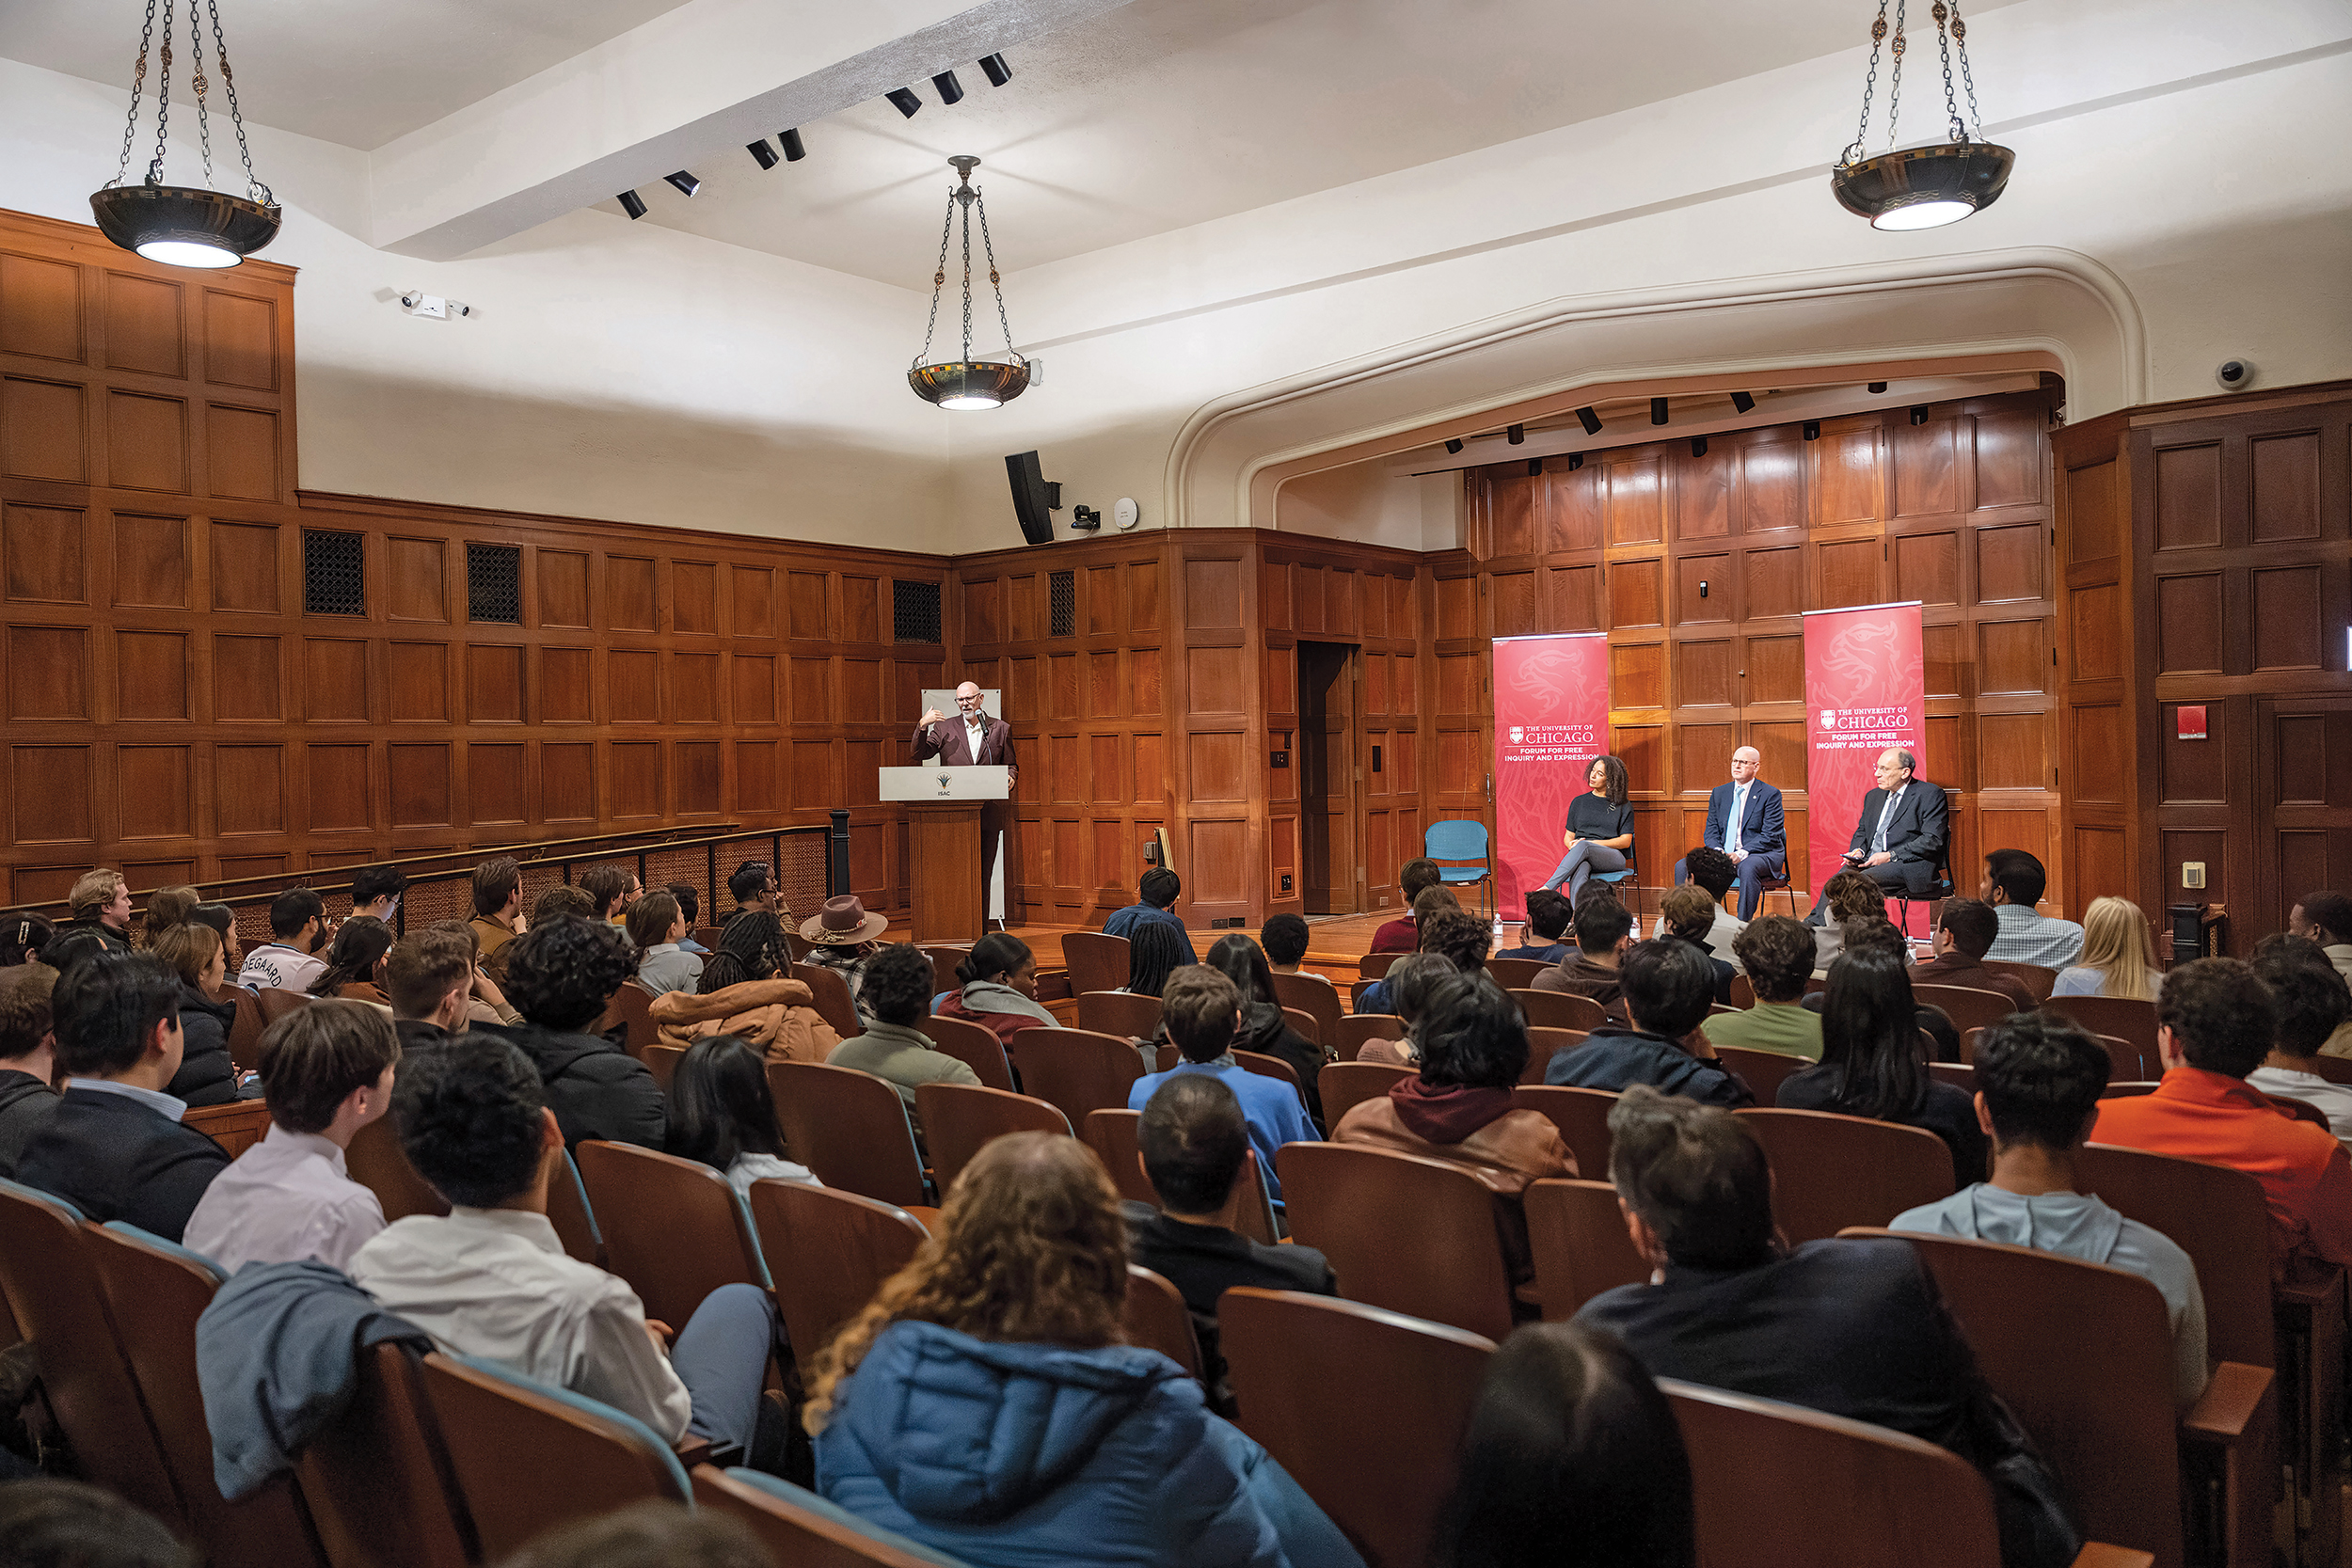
560	976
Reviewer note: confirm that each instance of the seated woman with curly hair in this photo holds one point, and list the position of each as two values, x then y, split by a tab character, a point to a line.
986	1403
560	976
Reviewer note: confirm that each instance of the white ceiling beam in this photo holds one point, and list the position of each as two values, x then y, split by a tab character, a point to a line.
700	82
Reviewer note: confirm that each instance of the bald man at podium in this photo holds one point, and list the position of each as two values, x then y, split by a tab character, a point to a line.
970	738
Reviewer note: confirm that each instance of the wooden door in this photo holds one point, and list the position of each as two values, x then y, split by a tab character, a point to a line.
1329	785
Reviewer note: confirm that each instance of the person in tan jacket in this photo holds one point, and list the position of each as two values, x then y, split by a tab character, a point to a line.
498	911
1473	1047
778	1016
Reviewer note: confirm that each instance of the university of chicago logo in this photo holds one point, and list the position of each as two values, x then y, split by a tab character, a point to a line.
1517	734
1829	718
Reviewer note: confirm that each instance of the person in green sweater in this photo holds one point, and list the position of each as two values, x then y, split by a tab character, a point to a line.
896	993
1778	952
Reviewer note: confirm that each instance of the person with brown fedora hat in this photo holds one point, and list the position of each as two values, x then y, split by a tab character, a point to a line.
842	937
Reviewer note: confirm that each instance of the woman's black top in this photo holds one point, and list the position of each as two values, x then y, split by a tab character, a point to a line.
1592	815
1948	1110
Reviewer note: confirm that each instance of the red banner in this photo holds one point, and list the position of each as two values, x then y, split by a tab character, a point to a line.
1865	690
1551	720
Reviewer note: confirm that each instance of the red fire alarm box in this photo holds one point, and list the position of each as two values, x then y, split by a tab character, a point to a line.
2188	724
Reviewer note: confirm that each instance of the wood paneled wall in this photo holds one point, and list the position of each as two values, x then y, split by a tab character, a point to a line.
1700	567
2208	557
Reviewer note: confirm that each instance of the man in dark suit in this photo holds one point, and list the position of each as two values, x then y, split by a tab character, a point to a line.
1904	831
973	738
114	1147
1745	821
1854	1328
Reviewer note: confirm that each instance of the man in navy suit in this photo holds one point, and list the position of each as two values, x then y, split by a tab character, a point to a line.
1744	821
1905	826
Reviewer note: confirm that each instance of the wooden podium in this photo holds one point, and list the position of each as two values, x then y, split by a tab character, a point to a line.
945	842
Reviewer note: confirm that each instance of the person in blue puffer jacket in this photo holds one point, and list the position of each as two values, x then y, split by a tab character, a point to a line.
986	1402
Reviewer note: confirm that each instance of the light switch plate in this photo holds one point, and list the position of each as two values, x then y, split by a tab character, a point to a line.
2192	873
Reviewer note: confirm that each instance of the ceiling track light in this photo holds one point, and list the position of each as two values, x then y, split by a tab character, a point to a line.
1535	466
1877	386
904	100
1812	430
950	91
633	204
1515	434
998	71
1742	402
1698	446
964	382
1590	420
1922	187
762	154
1658	410
793	150
1453	449
1576	461
1919	413
685	183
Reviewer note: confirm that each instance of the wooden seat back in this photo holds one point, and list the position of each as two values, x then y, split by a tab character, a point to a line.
1958	1074
1742	992
1372	966
245	1030
959	1119
1577	1237
528	1458
944	958
1117	1012
2120	1017
1271	1067
377	1478
1112	1135
277	1004
632	1007
1763	1071
1358	1030
800	1528
1411	1234
1079	1069
1304	1023
377	1162
1317	998
832	994
1557	1009
1515	973
975	1045
1967	1008
661	1061
828	1252
1832	1171
850	1129
1156	1318
672	1228
1583	1117
1543	1044
1095	961
574	1220
1348	1084
2218	1216
2038	980
1300	1371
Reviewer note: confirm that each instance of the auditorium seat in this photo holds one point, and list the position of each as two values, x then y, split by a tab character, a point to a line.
1305	1022
2120	1017
661	1061
672	1228
575	1223
245	1030
1542	1045
1079	1069
1271	1067
1831	1171
849	1128
1363	1407
828	1252
1411	1234
1762	1071
1358	1030
1372	966
1348	1084
944	959
801	1529
1742	992
833	997
1515	973
631	1009
277	1004
2039	981
2336	1069
1315	996
708	936
975	1045
959	1119
1958	1074
1967	1008
529	1457
1557	1009
1095	961
1583	1117
1156	1318
1112	1135
377	1478
1117	1012
1577	1236
377	1162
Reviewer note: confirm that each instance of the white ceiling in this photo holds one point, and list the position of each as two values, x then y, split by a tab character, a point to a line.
1149	117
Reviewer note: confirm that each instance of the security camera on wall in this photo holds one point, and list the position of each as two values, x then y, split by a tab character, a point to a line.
2234	375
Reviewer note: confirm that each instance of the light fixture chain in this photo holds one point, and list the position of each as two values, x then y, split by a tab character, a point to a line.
1968	81
163	104
1869	85
139	82
994	282
1895	84
203	115
253	186
939	278
967	280
1944	47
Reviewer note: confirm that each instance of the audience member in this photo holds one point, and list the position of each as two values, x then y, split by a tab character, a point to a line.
753	886
778	1015
2013	884
114	1147
2118	958
562	976
899	987
1200	1011
1263	1029
1015	1305
490	1278
101	902
751	947
22	935
1688	914
658	928
1155	950
2038	1083
1194	1142
2325	920
1573	1459
659	1534
1853	1328
1874	1064
351	971
326	1071
27	1062
498	911
206	1075
1964	929
1598	831
611	888
1847	897
1410	981
1604	928
2215	1024
2312	1004
375	891
71	945
1543	939
1669	987
842	938
223	920
563	902
690	902
167	907
71	1524
485	1002
1403	935
1451	932
1284	938
1778	952
289	960
1885	937
429	977
997	988
1712	870
723	1114
1156	893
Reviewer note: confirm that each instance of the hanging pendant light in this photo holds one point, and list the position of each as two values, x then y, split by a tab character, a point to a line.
966	382
178	224
1922	187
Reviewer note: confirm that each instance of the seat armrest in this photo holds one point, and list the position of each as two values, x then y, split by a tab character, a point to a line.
692	1450
2098	1554
2229	1404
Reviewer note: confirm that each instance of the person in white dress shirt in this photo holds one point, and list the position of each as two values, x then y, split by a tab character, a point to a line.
326	1071
491	1279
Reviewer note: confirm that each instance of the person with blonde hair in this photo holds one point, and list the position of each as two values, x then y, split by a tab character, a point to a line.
2118	959
101	902
986	1403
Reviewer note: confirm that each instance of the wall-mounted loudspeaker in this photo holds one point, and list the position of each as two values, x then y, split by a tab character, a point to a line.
1034	497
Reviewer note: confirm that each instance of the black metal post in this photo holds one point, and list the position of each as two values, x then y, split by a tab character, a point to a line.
837	856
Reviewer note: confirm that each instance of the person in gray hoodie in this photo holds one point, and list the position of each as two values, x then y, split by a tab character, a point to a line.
2038	1083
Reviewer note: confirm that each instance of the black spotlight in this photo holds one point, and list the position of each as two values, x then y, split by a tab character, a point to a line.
1658	410
904	100
1877	387
633	204
687	185
1535	466
998	72
1515	434
1576	461
762	154
1742	402
1698	446
793	150
1919	413
950	91
1590	420
1812	430
1453	449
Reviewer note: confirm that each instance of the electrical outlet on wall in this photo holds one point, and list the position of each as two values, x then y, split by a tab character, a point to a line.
1286	881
